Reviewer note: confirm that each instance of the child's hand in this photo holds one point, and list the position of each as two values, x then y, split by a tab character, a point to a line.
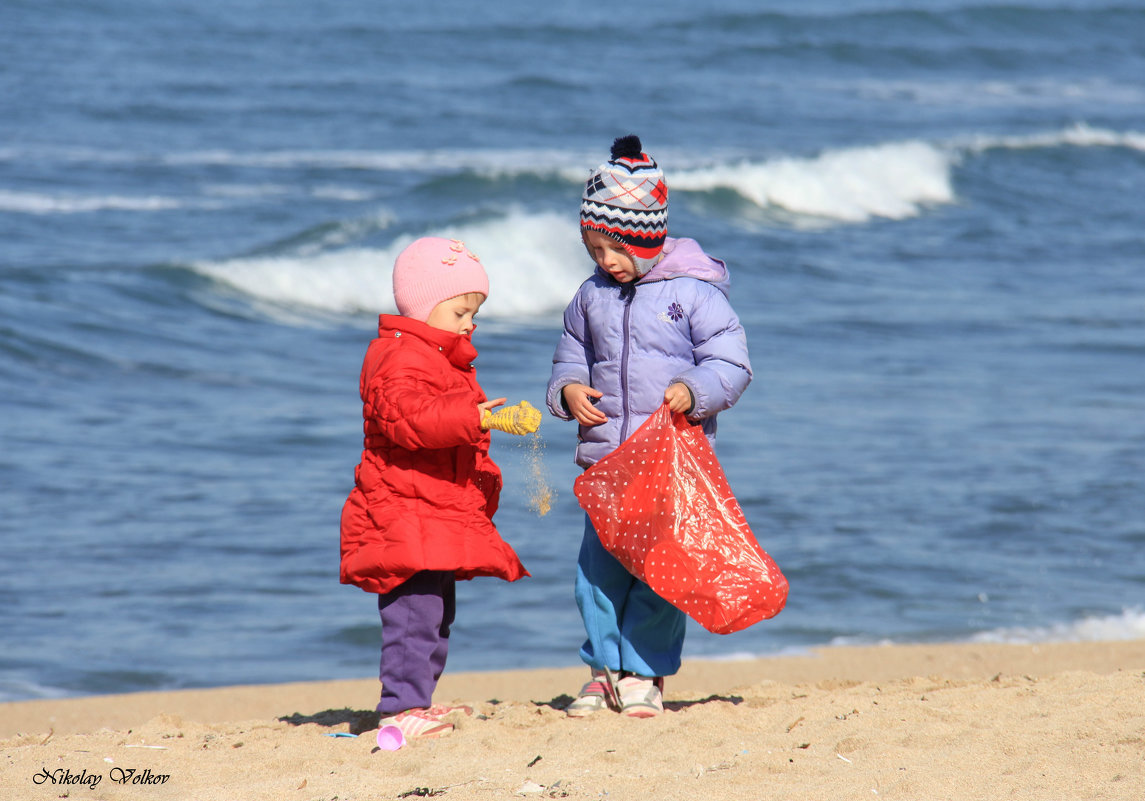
486	406
679	398
579	397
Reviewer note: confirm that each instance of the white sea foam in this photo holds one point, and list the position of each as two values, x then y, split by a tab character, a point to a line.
40	203
213	196
245	191
334	192
1028	93
1077	135
890	180
14	689
894	180
491	162
1129	625
535	263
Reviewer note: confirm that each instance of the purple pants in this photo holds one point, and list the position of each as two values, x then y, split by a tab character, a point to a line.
415	639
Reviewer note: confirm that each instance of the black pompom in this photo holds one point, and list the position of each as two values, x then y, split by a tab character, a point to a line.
627	147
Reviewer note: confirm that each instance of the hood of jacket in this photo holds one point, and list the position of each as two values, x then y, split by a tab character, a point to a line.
685	257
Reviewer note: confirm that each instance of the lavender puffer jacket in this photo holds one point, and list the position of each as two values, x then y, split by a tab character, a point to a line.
677	326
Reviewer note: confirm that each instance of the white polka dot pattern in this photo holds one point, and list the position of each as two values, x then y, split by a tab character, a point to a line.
663	507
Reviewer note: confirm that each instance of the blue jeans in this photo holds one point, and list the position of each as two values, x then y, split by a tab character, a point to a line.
630	628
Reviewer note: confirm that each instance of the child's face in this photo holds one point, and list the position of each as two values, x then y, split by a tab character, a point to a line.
456	314
611	256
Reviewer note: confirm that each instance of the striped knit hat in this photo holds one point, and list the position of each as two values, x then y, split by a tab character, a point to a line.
627	199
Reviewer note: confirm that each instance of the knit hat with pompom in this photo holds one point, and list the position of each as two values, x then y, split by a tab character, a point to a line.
626	199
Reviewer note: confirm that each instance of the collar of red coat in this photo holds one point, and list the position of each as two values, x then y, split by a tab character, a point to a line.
457	347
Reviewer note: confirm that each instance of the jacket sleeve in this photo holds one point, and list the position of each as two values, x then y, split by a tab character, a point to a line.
401	400
572	358
719	347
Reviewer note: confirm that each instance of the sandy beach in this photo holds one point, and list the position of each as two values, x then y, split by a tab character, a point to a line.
1045	722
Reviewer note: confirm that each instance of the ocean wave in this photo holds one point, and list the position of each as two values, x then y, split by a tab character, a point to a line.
1077	135
1129	625
995	93
535	263
211	197
40	203
17	689
494	162
894	180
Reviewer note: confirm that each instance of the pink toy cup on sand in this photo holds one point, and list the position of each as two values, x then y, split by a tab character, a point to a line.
390	738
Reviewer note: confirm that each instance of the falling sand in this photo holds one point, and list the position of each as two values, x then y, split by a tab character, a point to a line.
541	494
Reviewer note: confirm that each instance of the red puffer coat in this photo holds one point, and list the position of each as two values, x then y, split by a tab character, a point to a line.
426	489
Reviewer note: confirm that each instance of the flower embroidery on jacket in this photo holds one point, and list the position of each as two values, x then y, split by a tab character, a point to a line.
674	314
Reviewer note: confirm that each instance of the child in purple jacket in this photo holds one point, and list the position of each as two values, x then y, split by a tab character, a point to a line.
652	325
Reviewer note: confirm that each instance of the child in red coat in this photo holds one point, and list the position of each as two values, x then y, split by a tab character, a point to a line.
420	515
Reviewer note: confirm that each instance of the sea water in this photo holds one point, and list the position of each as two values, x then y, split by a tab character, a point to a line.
932	216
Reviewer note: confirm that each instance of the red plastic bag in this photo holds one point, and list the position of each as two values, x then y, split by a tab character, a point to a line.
662	506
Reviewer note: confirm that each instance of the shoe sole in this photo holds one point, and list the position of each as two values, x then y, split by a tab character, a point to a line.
640	711
581	713
585	711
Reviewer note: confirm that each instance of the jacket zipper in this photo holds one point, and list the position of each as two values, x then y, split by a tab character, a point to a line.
624	369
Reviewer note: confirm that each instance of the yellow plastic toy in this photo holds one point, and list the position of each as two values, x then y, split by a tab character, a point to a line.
520	419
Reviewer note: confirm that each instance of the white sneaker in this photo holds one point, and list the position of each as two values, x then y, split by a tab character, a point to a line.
593	697
641	697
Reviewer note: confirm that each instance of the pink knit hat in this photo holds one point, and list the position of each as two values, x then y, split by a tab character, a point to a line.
433	269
